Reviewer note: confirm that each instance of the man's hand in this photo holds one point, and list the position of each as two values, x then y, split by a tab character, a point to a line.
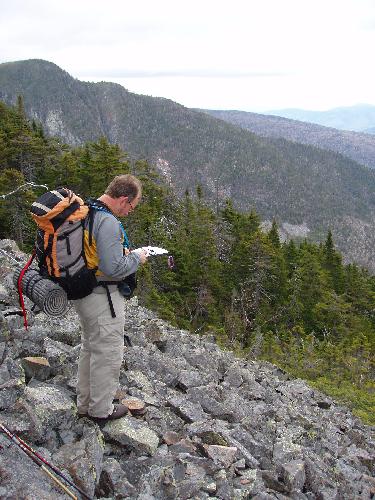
143	256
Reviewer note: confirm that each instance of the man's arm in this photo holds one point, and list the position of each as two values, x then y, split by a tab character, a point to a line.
112	263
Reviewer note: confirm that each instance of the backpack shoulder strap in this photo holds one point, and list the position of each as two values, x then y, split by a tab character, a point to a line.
102	207
93	205
91	216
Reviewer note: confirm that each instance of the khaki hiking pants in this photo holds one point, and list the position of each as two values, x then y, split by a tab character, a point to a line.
102	347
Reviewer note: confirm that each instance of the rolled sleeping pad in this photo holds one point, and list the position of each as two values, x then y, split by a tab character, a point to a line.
46	294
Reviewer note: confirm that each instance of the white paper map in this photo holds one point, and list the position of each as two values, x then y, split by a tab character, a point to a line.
154	250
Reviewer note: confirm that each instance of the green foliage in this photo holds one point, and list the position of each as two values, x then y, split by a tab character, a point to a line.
15	219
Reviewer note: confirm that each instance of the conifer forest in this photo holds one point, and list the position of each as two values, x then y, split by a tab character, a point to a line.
295	304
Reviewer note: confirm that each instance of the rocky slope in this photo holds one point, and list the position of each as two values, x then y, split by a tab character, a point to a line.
215	427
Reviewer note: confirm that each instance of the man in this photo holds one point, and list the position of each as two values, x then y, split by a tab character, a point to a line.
102	339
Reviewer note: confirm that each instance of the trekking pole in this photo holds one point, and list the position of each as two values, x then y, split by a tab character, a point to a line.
53	467
40	461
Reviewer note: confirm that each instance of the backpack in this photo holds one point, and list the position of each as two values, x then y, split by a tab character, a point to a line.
59	247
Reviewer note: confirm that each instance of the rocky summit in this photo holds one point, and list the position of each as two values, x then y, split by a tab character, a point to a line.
207	425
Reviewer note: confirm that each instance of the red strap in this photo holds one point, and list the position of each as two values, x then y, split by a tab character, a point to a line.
19	284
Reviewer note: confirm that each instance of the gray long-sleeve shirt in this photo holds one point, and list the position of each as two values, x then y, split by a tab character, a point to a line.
108	238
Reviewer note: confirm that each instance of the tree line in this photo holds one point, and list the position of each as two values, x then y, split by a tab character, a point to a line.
295	303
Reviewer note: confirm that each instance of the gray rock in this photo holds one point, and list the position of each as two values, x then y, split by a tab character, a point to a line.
133	433
112	482
21	478
188	411
48	407
189	378
221	455
58	353
36	367
5	296
293	474
14	319
12	382
83	460
287	445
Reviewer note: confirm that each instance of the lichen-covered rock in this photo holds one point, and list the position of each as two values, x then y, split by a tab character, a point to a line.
21	478
112	482
12	382
83	460
222	455
187	410
48	407
59	353
293	474
132	433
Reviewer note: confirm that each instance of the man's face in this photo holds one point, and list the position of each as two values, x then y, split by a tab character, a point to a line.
125	206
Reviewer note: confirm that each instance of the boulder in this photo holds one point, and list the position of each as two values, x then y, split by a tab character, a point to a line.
83	460
132	433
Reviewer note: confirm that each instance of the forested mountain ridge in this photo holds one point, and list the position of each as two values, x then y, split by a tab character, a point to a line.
360	147
292	182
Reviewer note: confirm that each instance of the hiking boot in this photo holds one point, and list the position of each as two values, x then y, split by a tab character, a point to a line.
118	412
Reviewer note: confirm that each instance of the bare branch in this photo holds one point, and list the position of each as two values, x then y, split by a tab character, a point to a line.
28	184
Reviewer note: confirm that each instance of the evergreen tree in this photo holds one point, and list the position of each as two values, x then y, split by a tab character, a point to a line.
332	263
107	161
15	219
291	255
312	286
273	235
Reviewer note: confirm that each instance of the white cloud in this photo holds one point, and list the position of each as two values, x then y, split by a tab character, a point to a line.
244	54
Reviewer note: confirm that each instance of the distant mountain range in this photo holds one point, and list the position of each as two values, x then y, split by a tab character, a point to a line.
359	147
360	118
307	189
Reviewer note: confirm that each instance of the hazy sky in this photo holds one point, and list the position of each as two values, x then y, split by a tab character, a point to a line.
253	55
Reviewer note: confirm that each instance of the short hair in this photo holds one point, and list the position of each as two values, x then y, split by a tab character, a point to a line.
124	185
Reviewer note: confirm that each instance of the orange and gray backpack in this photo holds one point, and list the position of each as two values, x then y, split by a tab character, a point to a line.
59	248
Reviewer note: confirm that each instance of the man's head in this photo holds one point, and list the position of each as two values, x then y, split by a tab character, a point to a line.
123	194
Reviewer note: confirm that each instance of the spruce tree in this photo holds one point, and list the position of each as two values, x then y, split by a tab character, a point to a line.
332	263
273	235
